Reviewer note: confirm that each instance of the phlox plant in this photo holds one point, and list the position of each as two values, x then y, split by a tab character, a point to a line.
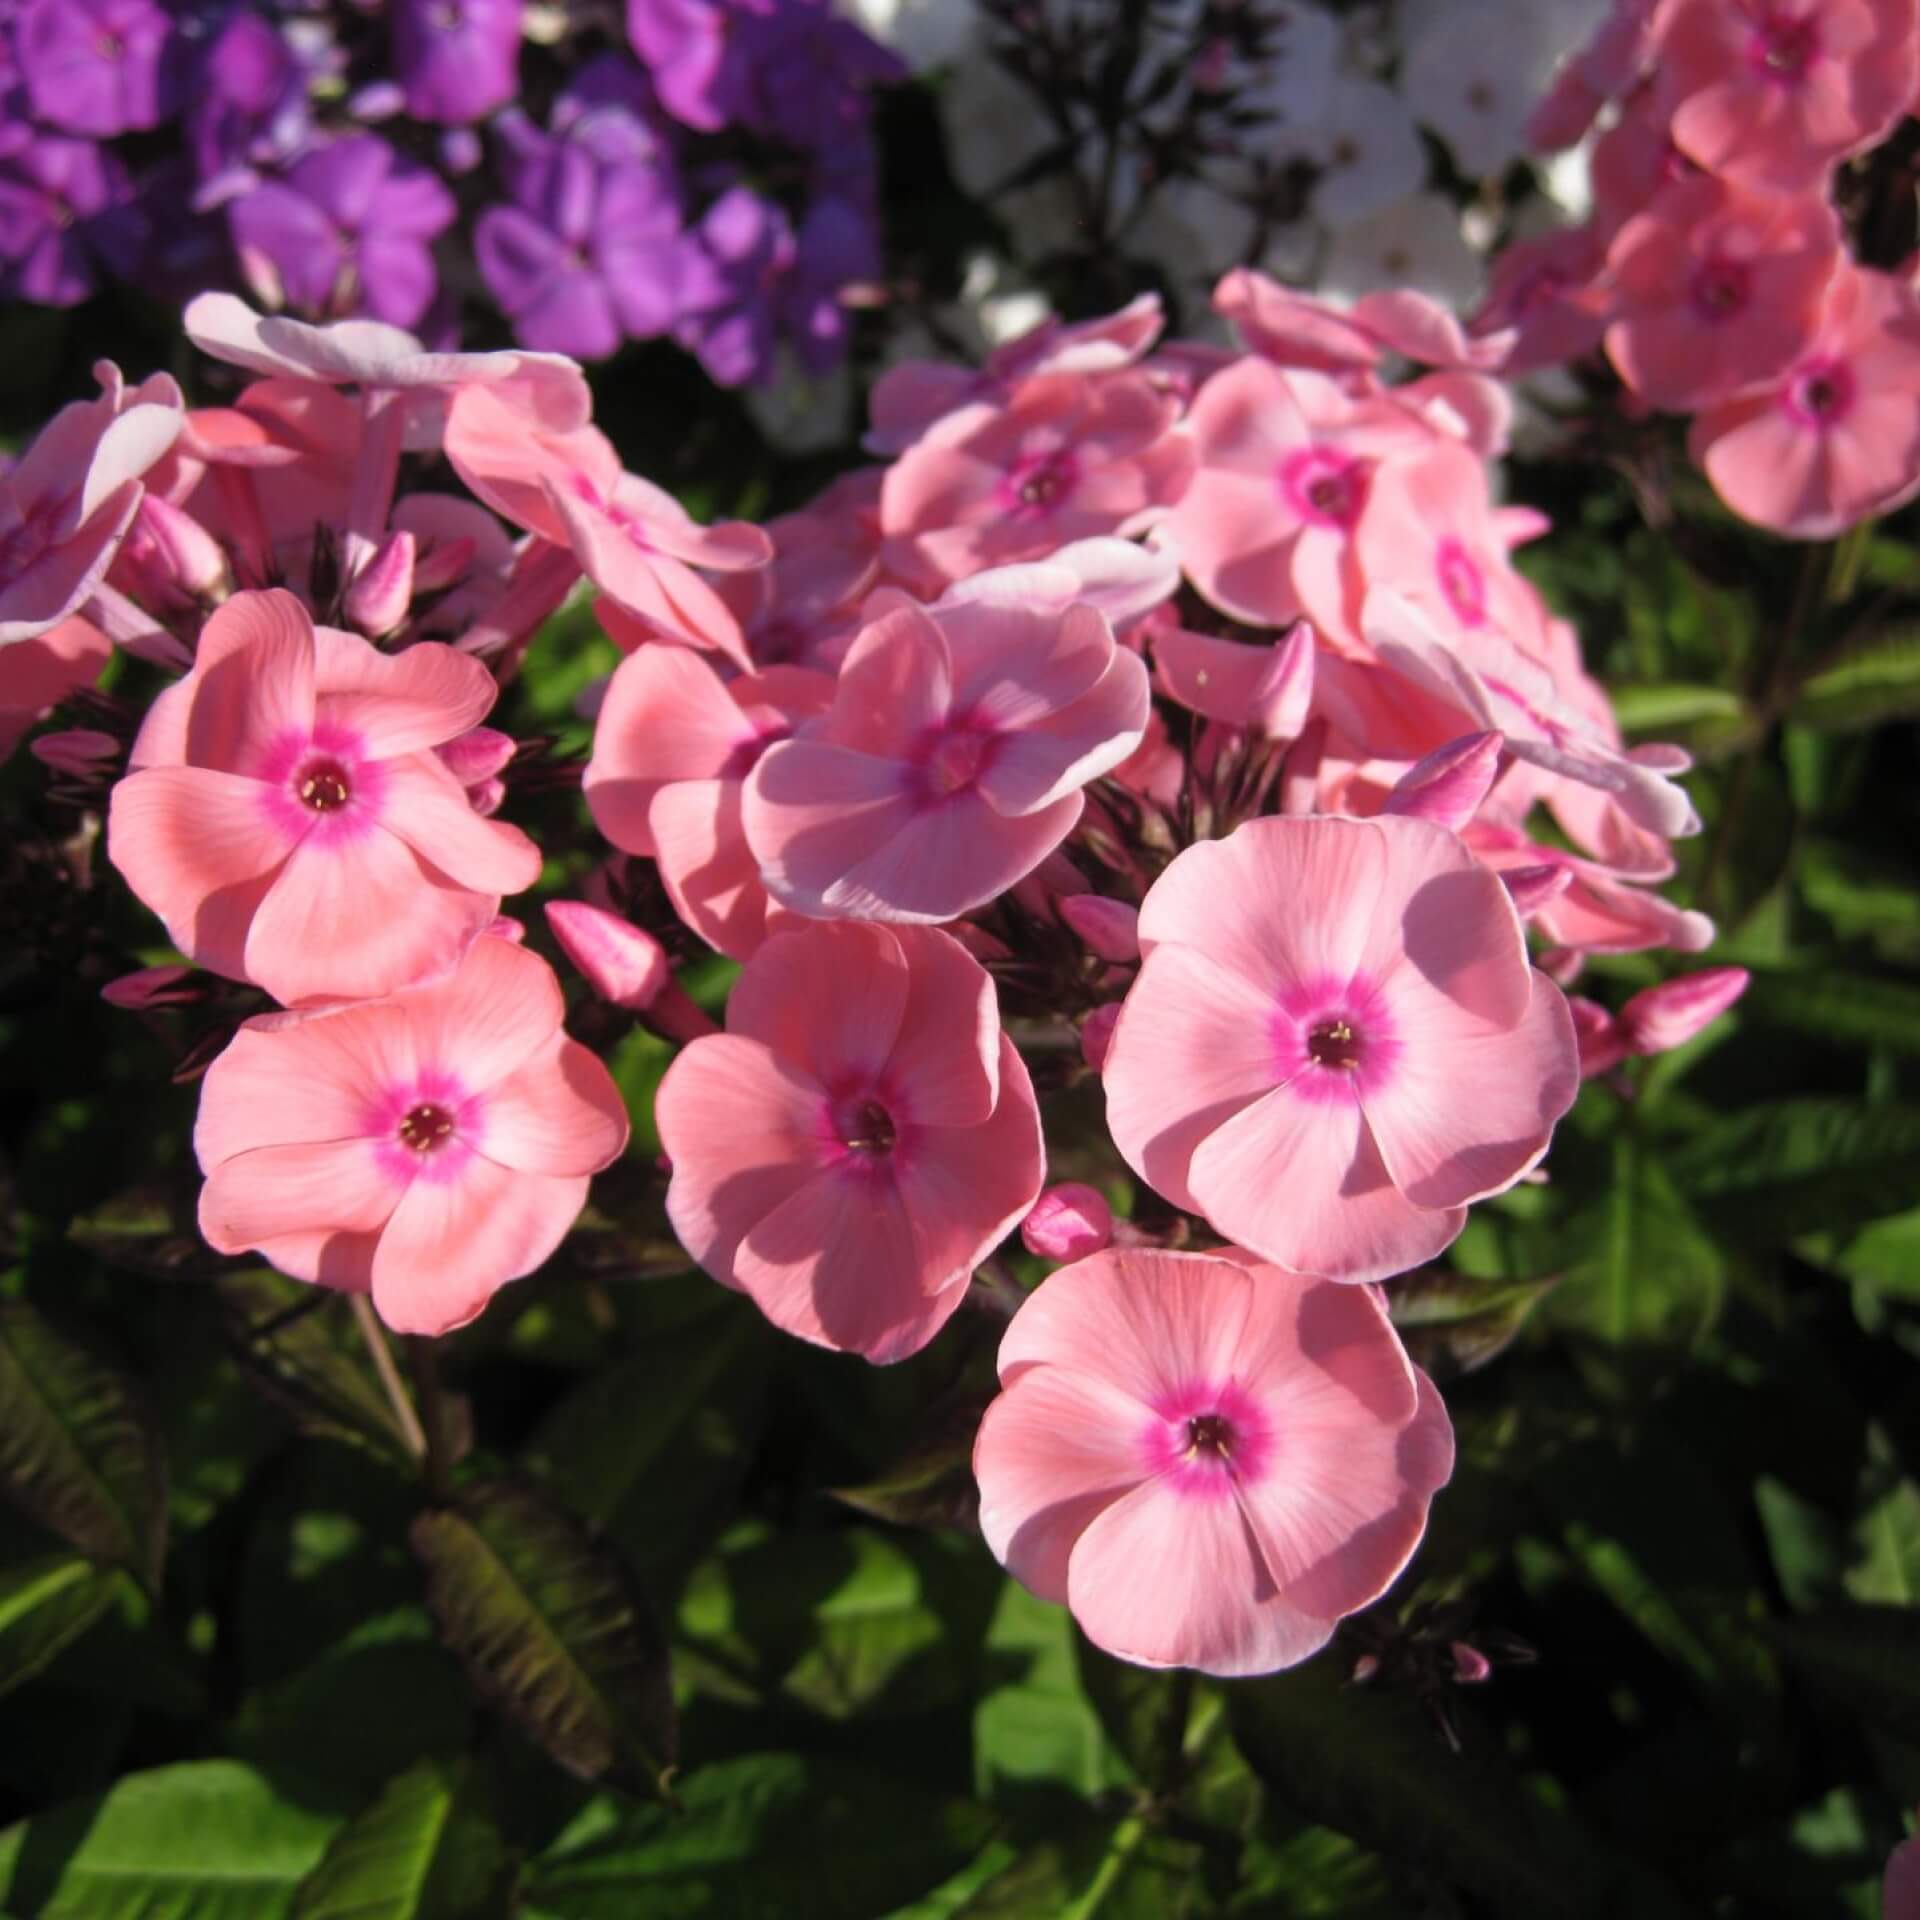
960	1192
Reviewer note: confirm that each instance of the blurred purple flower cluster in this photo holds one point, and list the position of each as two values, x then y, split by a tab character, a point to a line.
702	170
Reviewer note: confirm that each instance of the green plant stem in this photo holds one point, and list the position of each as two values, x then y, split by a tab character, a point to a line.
1170	1762
424	1356
375	1337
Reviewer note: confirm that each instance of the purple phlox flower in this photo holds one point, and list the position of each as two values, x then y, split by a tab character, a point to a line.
249	105
586	253
66	215
608	108
836	246
347	230
457	59
683	45
97	67
188	251
742	249
804	74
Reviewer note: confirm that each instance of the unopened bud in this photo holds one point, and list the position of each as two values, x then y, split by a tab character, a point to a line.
1601	1046
1470	1665
487	798
382	591
188	555
80	753
1532	888
1096	1034
503	926
1448	786
476	755
1660	1018
1110	928
174	986
443	564
1068	1222
622	963
1365	1668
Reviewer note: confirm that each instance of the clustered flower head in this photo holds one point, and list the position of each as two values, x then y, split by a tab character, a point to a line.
1154	731
1716	272
704	171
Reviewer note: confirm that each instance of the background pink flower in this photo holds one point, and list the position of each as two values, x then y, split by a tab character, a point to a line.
427	1148
287	818
1210	1462
1335	1042
37	674
859	1138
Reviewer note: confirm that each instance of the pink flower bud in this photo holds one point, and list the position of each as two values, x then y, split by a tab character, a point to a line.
182	548
1068	1222
1562	965
487	798
1449	784
382	591
1658	1019
1096	1034
1470	1665
174	986
1532	888
503	926
1110	927
79	752
444	564
1365	1668
1279	707
622	963
476	755
1602	1046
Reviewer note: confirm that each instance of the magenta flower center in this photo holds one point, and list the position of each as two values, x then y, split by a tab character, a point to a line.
864	1127
1206	1436
1334	1045
323	786
426	1128
1461	583
1783	48
1037	483
1325	487
1334	1041
1820	393
949	761
1720	289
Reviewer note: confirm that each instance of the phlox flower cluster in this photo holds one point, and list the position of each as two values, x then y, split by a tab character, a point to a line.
702	170
1149	719
1722	271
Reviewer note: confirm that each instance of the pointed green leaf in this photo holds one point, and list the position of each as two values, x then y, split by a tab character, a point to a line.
1453	1323
76	1450
1844	1008
1879	682
553	1629
45	1606
207	1840
425	1850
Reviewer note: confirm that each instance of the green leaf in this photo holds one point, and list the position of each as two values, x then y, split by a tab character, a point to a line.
1454	1323
307	1355
764	1837
425	1850
1096	1871
1648	708
1878	682
1370	1765
1844	1008
45	1606
1789	1167
1863	1661
553	1629
1886	1564
207	1840
76	1451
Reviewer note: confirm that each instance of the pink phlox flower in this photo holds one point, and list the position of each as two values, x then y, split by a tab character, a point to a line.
1545	294
68	500
1264	690
37	674
1600	910
857	1141
672	748
1612	59
1835	439
953	758
802	608
1771	94
287	818
1714	289
1335	1043
1063	457
425	1148
1210	1462
1300	330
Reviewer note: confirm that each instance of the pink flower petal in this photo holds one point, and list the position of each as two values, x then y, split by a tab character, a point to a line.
271	1191
495	1013
340	1069
831	1006
403	702
1056	754
254	673
710	873
424	805
946	1050
557	1113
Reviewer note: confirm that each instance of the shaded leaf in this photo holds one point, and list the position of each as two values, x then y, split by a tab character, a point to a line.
764	1837
1095	1871
1454	1323
76	1450
1864	1661
207	1840
425	1850
1880	681
45	1606
1650	707
553	1630
1840	1007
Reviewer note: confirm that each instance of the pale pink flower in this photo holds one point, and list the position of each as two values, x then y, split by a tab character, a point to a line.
857	1141
37	674
427	1148
952	760
1335	1043
1064	457
287	817
69	499
1772	93
1068	1222
1715	288
634	541
1836	439
1210	1462
672	748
